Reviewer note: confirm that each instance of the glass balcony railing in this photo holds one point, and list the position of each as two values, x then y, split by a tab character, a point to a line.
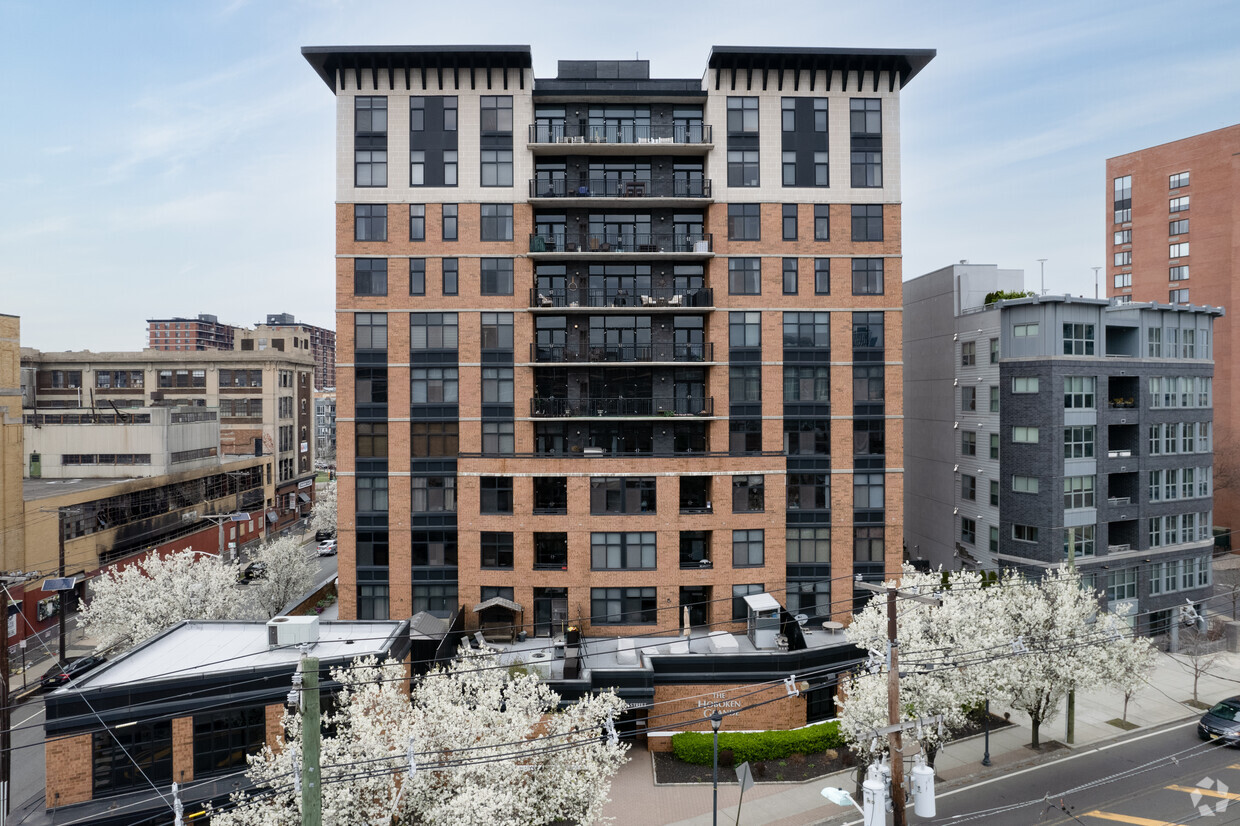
648	297
620	242
566	132
621	406
605	354
612	188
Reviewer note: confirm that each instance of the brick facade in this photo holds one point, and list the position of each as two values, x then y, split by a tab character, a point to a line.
688	707
69	774
183	749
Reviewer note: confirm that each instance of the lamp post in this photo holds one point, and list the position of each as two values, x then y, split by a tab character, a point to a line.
1042	262
715	719
986	750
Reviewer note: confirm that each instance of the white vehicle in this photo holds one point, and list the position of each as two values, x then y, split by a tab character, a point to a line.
327	547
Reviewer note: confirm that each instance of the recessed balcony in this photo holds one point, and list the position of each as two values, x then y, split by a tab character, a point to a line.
622	353
648	299
585	192
627	245
584	138
641	408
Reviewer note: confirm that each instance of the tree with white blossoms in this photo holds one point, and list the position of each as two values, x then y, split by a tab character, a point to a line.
291	571
938	655
490	748
323	514
1059	639
131	604
1130	661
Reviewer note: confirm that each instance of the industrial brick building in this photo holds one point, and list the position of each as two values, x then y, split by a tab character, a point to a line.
1171	235
616	347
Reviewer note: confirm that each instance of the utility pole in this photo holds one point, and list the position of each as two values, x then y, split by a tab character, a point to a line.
311	790
895	727
5	719
62	605
1095	269
1070	734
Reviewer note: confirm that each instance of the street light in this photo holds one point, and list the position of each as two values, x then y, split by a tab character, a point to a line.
986	751
715	719
1042	262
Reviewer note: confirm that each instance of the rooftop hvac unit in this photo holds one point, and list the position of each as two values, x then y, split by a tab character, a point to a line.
292	631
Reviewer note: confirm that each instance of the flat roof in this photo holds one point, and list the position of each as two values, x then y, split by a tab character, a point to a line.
196	648
326	60
904	63
35	489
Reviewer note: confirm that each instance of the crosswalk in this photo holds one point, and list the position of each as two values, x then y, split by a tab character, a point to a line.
1207	799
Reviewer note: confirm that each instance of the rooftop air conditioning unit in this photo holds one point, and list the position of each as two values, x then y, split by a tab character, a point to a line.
292	631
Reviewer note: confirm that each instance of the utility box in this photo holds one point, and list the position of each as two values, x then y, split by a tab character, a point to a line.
292	631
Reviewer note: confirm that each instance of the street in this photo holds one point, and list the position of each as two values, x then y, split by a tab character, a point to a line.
1158	779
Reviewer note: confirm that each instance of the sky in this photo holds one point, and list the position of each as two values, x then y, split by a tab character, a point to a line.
174	158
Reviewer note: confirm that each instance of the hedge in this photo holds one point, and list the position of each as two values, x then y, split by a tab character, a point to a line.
697	747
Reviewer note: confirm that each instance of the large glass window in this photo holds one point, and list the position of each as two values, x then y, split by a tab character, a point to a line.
433	494
496	222
744	223
372	494
744	330
623	606
622	494
495	494
744	276
370	141
497	276
370	276
748	494
495	548
742	115
1078	339
223	739
867	276
867	222
808	546
808	491
613	550
434	385
131	756
370	222
1078	392
370	331
748	549
432	331
866	132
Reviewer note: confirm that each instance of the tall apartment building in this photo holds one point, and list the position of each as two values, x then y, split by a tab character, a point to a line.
1053	428
202	333
1171	212
617	347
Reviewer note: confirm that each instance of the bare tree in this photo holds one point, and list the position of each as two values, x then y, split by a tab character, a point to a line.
1196	654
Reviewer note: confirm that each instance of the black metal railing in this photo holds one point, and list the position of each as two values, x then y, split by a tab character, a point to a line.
620	242
563	353
582	132
611	188
647	297
621	406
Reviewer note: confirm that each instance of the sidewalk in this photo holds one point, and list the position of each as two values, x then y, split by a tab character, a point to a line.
637	801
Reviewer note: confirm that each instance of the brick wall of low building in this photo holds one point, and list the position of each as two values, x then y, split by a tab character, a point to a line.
275	726
183	749
69	776
745	708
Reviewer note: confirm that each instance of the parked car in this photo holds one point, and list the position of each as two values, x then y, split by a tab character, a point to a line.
319	536
1222	722
255	570
61	673
327	547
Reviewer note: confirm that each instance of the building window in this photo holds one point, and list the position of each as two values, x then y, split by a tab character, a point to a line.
866	131
497	277
968	443
1078	392
1178	204
433	494
497	437
744	276
370	141
807	330
968	530
822	276
497	331
550	494
370	222
417	168
1078	542
1078	442
868	384
822	222
496	549
372	494
432	331
742	167
495	494
790	276
224	739
1029	330
1025	435
1024	384
790	222
372	439
742	116
370	331
1178	296
867	491
131	756
744	223
994	493
1123	199
1078	492
496	114
867	222
417	222
1177	250
429	439
496	222
1177	180
808	492
968	353
968	487
1025	484
451	276
497	385
744	330
622	494
623	606
811	437
1123	259
994	399
821	169
745	436
436	599
496	167
616	551
1025	533
1123	236
808	546
807	384
994	539
449	222
867	276
370	276
1178	227
433	385
1122	279
550	551
748	494
417	276
1179	273
1078	339
868	544
968	399
747	549
745	384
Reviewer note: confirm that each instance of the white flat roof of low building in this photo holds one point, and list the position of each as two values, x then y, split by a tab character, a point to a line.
201	647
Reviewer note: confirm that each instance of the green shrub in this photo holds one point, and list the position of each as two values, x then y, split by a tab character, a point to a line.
697	747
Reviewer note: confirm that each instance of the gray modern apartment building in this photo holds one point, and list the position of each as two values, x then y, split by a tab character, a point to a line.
1050	429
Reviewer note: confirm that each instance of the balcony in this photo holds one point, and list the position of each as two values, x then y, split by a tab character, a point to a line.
620	406
1122	404
584	191
649	299
622	353
1119	501
583	138
558	244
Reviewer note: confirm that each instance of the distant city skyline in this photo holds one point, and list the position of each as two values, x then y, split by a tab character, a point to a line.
172	159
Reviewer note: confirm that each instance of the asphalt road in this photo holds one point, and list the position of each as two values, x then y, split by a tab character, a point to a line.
1165	778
